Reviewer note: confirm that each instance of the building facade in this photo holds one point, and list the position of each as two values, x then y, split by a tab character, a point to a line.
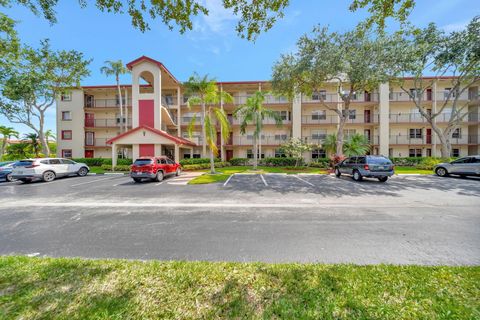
156	119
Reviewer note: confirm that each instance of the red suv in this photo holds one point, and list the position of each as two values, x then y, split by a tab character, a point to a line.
154	168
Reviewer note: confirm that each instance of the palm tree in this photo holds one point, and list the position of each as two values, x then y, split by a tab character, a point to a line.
355	145
117	68
33	141
49	134
330	143
253	112
7	133
207	93
203	91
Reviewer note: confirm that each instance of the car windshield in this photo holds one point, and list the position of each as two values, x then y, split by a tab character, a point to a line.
24	163
379	160
142	162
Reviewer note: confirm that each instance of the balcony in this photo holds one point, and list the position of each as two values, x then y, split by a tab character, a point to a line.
334	119
235	121
402	96
441	118
106	103
246	140
105	123
97	142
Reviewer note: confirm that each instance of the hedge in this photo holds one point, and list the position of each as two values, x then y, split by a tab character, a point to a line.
97	162
323	163
420	162
202	166
239	161
108	167
280	162
184	162
429	163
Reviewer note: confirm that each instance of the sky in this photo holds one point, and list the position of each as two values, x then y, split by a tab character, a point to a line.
212	47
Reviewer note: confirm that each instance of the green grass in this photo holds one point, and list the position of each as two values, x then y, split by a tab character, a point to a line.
400	170
100	170
209	178
47	288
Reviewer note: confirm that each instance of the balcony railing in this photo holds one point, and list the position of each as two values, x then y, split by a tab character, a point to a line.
441	118
265	140
97	142
105	123
334	119
235	121
106	103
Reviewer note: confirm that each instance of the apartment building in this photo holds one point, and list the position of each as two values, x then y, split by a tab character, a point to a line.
156	119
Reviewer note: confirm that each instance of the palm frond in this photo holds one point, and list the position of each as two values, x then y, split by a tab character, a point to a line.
211	134
191	125
222	120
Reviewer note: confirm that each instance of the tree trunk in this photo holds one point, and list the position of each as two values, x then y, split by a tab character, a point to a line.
4	146
122	124
41	135
204	135
212	162
255	152
445	145
341	125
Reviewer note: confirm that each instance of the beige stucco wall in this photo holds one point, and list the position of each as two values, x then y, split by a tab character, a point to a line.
75	106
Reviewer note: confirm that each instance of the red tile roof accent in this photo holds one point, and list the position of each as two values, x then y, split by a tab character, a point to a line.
158	63
177	140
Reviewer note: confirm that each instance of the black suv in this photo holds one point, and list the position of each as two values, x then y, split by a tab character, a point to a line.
366	166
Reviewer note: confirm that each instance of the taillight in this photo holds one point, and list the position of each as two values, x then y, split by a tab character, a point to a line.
366	167
32	166
393	167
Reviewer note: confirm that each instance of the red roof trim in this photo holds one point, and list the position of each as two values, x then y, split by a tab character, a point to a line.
177	140
158	63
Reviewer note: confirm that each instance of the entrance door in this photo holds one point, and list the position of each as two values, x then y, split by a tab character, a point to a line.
366	115
366	133
429	136
89	120
229	154
429	94
89	138
89	154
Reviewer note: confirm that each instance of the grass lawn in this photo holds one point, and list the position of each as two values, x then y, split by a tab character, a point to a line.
48	288
400	170
227	171
100	170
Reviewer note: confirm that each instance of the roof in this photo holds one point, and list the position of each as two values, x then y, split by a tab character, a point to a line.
158	63
177	140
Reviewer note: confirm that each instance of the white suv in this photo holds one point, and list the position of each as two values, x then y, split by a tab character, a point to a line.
47	169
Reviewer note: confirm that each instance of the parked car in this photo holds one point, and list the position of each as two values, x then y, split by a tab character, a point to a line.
47	169
6	170
154	168
466	166
360	167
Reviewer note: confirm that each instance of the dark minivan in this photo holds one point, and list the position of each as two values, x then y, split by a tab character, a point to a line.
360	167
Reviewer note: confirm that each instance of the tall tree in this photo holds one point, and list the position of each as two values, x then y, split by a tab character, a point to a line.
7	133
253	112
35	81
432	50
356	145
354	62
117	68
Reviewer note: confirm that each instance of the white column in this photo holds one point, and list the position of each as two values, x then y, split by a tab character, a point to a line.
384	119
114	156
191	153
158	150
177	153
297	116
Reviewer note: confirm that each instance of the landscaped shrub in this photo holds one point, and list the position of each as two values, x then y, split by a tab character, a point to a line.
117	168
320	163
201	166
97	162
429	163
239	161
406	162
280	162
197	161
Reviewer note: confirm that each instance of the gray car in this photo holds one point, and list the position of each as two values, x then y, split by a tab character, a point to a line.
366	166
466	166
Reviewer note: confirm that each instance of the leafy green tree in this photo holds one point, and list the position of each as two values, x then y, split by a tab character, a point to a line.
7	133
355	145
9	43
432	50
33	143
35	81
204	92
330	143
16	151
380	10
354	62
117	68
253	112
295	148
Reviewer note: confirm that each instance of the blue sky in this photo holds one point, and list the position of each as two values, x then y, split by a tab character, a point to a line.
212	47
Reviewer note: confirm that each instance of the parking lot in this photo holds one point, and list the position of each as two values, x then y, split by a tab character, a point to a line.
268	217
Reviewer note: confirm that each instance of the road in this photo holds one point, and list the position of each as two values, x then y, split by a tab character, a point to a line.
272	218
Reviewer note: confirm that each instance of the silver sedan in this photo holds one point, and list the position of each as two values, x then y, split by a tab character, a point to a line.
466	166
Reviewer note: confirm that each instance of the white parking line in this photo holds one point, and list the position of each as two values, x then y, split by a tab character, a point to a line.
157	184
228	180
303	180
92	181
264	181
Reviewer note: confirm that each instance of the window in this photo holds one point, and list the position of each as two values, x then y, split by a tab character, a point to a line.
446	92
66	153
414	153
66	134
349	132
457	133
66	161
318	134
280	137
279	153
66	116
66	96
320	95
414	93
319	115
455	152
318	154
196	155
250	154
415	133
117	100
361	160
284	115
352	114
429	152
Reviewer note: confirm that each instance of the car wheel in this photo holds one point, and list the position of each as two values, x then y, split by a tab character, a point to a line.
177	173
337	173
82	172
357	176
159	176
48	176
137	180
9	177
441	172
383	179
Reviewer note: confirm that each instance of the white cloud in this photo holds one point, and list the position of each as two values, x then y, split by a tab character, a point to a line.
458	26
218	17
